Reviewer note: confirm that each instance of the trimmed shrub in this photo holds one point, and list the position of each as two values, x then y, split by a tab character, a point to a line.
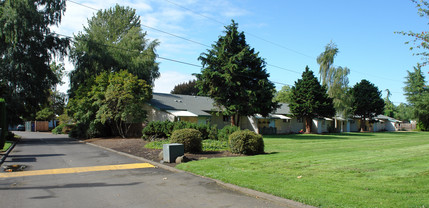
79	131
62	129
163	129
246	142
58	129
157	129
190	138
226	131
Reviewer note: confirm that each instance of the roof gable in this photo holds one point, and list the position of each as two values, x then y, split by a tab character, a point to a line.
198	105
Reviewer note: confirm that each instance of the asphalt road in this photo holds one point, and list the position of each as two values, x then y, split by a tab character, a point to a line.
106	186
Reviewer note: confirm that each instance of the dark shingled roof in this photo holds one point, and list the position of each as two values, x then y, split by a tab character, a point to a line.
198	105
195	104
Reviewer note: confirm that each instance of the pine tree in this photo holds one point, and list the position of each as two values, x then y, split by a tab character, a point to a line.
235	77
309	99
367	102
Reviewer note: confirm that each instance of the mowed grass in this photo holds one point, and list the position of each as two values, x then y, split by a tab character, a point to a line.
339	170
6	146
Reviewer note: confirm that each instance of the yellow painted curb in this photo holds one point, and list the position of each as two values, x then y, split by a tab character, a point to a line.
76	170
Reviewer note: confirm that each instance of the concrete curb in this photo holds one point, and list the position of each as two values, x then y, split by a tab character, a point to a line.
249	192
4	156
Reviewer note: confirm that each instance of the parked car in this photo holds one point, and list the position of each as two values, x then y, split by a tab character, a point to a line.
20	127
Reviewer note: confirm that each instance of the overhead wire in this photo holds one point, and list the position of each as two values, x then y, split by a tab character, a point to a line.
202	44
268	41
183	38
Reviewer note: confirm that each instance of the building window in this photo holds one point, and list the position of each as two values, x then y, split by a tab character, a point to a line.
286	120
300	120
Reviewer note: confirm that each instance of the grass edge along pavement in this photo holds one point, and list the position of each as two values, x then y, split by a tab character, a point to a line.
338	170
8	147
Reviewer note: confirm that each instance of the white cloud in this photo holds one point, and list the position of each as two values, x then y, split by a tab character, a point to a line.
166	82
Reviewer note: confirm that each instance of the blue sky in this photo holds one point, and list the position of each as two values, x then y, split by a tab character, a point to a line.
287	34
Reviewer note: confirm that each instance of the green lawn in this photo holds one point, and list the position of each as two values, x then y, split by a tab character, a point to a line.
6	146
341	170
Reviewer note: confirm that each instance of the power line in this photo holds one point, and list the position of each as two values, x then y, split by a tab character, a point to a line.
268	41
168	59
183	38
222	23
83	5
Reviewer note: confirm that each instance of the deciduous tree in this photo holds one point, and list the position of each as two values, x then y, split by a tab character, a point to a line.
326	60
112	41
310	100
421	39
123	101
235	77
283	95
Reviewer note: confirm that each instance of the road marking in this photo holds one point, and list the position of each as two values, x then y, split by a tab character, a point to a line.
76	170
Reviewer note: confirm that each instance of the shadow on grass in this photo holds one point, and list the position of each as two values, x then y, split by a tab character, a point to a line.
348	135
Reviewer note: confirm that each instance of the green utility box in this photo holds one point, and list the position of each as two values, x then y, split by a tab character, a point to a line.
172	151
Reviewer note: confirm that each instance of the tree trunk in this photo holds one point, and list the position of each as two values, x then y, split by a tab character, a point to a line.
233	120
307	125
362	124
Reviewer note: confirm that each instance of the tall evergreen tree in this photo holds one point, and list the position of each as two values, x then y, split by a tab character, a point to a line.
367	102
417	94
234	75
310	100
27	46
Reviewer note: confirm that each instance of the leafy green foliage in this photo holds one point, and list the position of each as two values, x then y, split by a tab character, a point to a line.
112	41
27	46
62	128
190	138
309	99
163	129
326	60
234	76
226	131
45	114
246	142
283	95
389	108
367	101
157	129
404	112
208	145
417	95
421	39
123	101
335	79
115	102
3	123
187	88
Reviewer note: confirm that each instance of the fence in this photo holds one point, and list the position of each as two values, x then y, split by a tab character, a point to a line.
407	126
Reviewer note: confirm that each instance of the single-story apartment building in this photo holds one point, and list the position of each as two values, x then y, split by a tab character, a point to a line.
200	109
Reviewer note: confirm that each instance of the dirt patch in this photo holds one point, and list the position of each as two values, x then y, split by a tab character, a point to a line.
135	146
